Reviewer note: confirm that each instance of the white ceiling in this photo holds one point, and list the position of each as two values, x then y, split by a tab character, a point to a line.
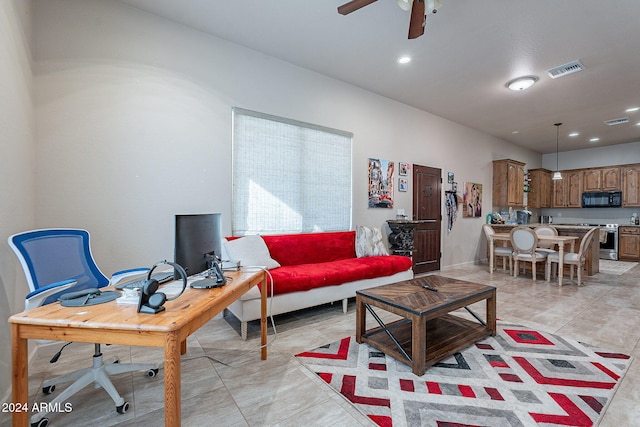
470	49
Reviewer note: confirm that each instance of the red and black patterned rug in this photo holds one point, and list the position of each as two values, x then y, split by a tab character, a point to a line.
520	377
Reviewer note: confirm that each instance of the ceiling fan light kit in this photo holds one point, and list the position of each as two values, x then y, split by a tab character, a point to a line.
419	9
405	5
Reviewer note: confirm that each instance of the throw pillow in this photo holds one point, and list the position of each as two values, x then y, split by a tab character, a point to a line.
369	242
250	251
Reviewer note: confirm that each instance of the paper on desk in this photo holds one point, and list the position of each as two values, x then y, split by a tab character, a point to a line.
128	299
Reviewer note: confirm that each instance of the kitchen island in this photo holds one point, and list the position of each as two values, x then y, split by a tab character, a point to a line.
592	263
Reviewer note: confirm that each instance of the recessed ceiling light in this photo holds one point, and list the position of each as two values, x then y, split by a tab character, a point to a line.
522	83
632	109
594	139
574	134
515	131
404	59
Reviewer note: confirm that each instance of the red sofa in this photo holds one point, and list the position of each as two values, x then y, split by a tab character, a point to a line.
318	268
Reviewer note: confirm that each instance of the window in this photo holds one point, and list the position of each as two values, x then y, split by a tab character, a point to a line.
289	176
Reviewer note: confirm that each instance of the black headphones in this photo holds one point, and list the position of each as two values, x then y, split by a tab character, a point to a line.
151	301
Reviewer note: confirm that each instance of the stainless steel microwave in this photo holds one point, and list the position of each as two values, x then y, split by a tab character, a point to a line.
602	199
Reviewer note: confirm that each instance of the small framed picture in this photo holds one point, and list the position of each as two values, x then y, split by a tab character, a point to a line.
450	177
404	169
403	184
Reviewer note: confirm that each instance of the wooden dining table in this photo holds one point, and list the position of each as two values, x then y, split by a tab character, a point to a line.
561	241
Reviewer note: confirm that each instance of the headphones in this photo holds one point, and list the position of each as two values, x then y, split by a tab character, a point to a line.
151	301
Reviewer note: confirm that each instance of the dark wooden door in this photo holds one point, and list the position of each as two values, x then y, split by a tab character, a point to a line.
427	196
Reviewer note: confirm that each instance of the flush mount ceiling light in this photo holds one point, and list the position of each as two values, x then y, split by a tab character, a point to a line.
632	110
574	134
557	175
404	59
522	83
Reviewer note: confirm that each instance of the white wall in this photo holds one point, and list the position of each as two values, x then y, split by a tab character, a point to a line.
133	119
16	164
594	157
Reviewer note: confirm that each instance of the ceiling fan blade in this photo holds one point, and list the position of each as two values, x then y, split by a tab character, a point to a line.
353	5
418	19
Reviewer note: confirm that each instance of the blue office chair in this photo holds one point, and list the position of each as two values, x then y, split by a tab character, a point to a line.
56	261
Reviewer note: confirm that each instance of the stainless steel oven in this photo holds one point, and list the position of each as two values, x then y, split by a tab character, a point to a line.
608	242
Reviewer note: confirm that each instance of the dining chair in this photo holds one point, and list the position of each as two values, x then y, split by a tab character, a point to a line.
571	258
525	242
504	252
546	230
56	261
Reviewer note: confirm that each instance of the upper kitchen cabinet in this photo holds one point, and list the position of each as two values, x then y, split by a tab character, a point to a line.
630	185
508	183
567	192
601	179
540	188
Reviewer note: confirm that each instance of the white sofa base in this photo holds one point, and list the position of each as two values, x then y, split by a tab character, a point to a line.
247	308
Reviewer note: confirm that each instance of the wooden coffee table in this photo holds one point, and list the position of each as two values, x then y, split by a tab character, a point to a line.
427	333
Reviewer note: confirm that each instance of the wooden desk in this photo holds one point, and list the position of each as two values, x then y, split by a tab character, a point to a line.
558	240
121	324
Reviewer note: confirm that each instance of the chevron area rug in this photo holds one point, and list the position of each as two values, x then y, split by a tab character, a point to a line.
520	377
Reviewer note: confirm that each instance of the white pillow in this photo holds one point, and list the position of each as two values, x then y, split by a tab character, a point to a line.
251	251
369	242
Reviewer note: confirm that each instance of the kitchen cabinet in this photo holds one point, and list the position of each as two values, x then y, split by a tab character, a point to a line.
508	183
540	194
601	179
628	243
567	192
630	185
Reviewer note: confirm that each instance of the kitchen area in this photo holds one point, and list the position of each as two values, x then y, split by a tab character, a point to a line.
606	197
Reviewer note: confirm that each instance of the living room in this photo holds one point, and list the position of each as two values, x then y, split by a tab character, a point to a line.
115	120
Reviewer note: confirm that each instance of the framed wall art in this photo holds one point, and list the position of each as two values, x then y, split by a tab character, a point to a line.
472	200
381	175
403	169
403	184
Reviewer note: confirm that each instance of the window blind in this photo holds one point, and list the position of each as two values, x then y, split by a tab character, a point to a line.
289	176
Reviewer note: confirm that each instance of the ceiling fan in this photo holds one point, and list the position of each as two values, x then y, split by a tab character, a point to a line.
418	8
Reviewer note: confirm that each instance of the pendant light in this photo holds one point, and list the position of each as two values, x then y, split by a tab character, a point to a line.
557	175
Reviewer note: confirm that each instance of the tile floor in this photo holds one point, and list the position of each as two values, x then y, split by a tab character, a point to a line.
224	382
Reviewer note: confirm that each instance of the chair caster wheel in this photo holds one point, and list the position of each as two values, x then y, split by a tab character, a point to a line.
48	390
122	408
44	422
152	372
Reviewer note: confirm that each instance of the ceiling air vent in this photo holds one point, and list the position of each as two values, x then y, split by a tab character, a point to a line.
619	121
563	70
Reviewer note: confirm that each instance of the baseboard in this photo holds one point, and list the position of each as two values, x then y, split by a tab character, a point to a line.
462	264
